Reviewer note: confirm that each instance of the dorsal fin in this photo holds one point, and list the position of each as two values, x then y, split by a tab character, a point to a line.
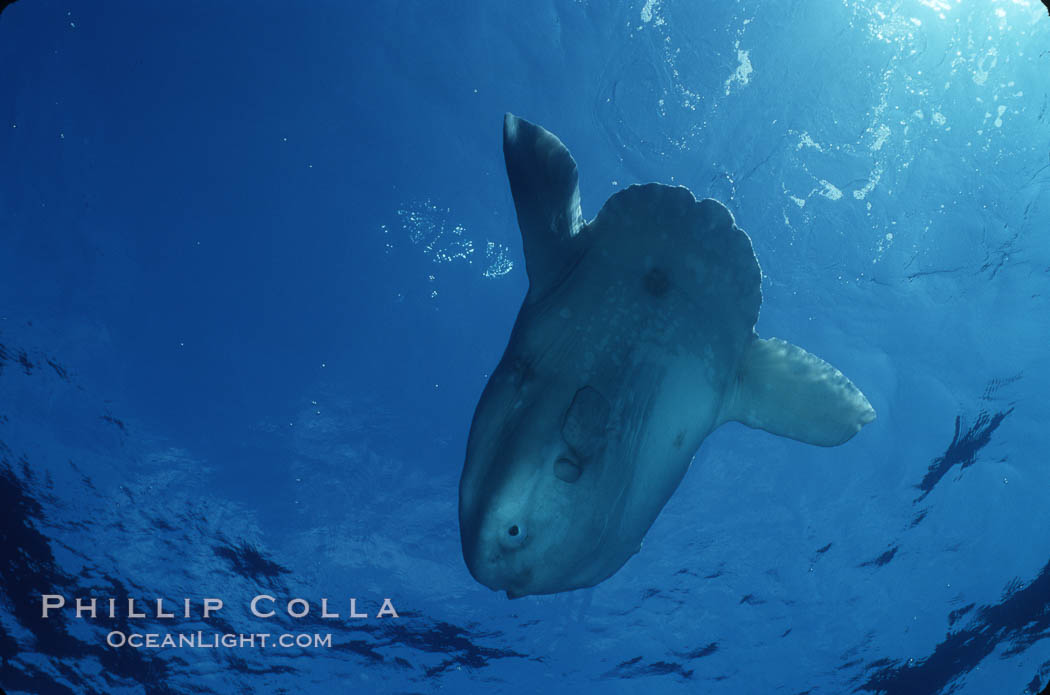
544	183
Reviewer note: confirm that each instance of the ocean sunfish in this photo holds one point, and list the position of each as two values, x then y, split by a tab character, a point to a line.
635	340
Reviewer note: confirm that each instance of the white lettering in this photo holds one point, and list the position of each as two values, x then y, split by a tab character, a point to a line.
255	606
324	610
131	610
160	610
50	601
211	605
387	609
82	608
298	601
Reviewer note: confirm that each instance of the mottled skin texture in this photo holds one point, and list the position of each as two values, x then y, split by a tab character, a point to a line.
643	319
625	354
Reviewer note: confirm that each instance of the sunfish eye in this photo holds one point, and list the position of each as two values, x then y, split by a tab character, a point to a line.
568	470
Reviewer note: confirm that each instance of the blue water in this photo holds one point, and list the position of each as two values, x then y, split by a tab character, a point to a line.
258	260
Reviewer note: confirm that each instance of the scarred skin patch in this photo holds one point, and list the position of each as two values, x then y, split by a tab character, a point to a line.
656	283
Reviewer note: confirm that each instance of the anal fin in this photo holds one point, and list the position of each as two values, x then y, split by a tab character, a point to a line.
784	390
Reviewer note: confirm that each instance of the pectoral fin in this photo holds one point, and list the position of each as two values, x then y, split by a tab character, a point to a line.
584	426
784	390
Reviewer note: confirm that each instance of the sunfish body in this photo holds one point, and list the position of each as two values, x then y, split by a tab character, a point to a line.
636	339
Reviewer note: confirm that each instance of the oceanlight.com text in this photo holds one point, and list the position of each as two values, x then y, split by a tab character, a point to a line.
218	640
